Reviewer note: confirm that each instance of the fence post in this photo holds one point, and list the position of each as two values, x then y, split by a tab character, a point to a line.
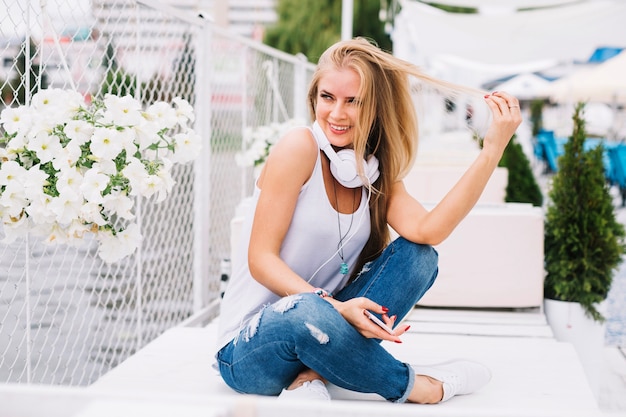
202	170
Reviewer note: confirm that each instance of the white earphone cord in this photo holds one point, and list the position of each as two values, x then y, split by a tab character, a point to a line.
345	241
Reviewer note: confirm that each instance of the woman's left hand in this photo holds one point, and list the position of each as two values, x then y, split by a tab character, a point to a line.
506	114
353	311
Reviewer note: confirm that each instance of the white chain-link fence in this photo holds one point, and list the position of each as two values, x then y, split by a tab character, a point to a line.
65	316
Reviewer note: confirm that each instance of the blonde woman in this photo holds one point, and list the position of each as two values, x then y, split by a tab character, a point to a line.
319	263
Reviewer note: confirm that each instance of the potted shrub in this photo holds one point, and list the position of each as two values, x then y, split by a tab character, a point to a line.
583	246
521	186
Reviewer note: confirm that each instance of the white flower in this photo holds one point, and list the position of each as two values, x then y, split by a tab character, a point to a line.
165	174
10	172
187	146
69	178
13	200
15	119
153	184
124	111
55	106
106	143
39	212
17	144
57	234
66	207
118	204
94	182
68	156
45	146
184	111
92	213
259	141
106	166
79	131
145	184
136	173
162	114
34	181
115	247
146	134
14	227
76	231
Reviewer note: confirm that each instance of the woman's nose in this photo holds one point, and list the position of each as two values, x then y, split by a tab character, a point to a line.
337	110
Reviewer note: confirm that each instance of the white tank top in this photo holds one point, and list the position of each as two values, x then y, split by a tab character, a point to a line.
309	248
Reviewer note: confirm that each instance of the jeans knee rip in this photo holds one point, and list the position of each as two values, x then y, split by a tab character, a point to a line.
253	325
366	268
286	303
317	334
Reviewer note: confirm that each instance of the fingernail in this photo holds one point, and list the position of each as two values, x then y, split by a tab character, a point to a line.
494	92
393	317
398	341
407	328
486	95
385	309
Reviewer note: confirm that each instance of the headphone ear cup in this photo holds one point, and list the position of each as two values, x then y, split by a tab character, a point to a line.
345	171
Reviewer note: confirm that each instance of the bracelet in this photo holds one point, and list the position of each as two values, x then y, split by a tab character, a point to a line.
322	293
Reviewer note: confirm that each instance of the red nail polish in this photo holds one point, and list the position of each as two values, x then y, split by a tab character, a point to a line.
486	95
385	309
407	328
398	341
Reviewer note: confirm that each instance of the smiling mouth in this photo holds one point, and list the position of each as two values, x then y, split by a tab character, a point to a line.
339	128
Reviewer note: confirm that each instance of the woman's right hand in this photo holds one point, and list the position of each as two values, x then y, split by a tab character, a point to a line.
353	311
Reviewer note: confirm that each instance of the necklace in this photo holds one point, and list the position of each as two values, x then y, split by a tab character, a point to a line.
344	266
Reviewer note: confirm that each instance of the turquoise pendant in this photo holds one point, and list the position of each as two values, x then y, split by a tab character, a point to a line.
344	268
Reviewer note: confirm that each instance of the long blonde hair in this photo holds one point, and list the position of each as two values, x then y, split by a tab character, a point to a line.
387	124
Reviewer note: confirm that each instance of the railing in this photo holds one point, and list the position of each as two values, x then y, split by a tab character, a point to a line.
65	316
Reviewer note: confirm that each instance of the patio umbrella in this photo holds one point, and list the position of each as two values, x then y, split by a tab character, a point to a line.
527	86
603	83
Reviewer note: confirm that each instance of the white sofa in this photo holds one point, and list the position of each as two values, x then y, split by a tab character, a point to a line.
493	259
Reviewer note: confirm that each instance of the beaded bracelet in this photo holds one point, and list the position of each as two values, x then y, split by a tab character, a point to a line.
322	292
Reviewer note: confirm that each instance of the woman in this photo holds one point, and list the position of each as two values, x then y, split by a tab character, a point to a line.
319	257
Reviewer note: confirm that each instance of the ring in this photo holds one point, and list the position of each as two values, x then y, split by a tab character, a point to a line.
510	107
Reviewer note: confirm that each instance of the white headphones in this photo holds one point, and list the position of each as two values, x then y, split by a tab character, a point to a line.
343	163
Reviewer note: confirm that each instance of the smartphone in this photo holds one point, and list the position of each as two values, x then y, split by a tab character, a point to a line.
378	321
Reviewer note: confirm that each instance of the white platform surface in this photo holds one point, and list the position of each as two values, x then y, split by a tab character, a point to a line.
533	374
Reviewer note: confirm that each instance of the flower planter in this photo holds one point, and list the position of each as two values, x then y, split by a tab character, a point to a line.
570	324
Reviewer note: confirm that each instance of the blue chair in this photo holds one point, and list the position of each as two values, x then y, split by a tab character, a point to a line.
617	156
547	149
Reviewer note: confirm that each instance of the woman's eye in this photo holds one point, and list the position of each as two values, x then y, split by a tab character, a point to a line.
325	96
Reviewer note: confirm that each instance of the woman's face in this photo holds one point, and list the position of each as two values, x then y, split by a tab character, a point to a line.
338	106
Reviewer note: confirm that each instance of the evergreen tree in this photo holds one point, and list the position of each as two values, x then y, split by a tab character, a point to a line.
311	26
536	116
522	186
584	242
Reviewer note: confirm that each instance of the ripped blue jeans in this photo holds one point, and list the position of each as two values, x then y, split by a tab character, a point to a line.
304	331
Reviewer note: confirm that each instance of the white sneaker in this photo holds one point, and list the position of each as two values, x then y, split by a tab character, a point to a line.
314	390
459	377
